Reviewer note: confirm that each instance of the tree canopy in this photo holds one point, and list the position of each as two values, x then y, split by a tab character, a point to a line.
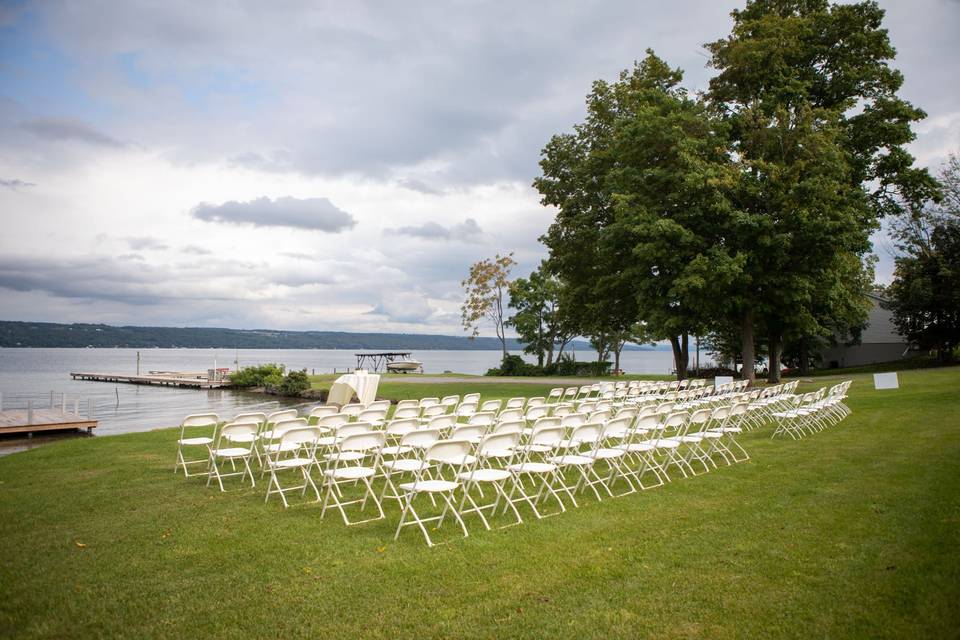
749	208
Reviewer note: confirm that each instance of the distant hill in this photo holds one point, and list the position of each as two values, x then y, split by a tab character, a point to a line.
48	334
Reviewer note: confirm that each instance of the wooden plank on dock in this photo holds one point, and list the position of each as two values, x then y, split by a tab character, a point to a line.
18	421
167	379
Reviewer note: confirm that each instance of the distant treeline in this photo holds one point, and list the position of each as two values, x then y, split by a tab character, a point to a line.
47	334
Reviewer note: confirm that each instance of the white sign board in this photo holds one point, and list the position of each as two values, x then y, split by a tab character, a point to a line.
721	380
885	381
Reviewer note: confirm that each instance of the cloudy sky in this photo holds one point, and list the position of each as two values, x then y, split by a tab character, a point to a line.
310	165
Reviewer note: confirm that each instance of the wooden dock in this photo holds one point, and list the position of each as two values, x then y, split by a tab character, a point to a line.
24	421
166	378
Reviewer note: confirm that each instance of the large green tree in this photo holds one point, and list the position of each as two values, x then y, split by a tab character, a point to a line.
925	292
820	134
540	321
639	189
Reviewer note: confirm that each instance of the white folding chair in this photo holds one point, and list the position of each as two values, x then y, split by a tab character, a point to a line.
413	444
578	452
453	455
353	409
491	406
532	465
515	403
318	412
356	458
197	430
294	452
494	454
229	448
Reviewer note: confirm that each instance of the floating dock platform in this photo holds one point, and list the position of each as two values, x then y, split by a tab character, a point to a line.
163	379
35	420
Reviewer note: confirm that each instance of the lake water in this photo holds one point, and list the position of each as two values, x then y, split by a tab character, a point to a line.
31	374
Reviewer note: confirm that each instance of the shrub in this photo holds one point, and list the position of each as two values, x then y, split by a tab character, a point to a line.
712	372
515	366
294	384
257	376
567	366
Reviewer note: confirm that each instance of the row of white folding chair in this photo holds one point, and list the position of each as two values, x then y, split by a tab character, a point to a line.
560	450
812	412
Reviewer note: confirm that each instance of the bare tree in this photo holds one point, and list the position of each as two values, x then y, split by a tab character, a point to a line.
484	291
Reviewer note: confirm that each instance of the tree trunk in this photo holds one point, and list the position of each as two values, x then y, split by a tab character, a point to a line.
746	346
804	357
616	359
679	356
684	356
775	350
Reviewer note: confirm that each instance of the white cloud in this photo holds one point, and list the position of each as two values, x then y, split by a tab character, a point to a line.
421	122
316	214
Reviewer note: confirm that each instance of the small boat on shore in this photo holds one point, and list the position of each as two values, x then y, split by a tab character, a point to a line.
404	366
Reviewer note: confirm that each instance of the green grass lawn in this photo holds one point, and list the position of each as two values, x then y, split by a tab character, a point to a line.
853	532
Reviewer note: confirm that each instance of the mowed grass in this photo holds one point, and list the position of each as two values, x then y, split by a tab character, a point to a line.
853	532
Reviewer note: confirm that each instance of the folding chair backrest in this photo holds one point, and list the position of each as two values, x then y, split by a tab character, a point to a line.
421	438
509	426
333	421
364	441
573	420
408	403
675	420
535	413
433	410
546	421
586	407
200	421
498	443
235	431
627	412
562	410
407	412
283	426
466	409
665	408
429	402
383	405
720	413
515	403
547	435
445	421
372	415
570	393
491	405
588	433
352	409
619	427
256	417
554	395
599	416
482	418
700	416
510	415
300	436
648	422
472	397
450	402
468	431
402	426
536	401
452	452
353	428
325	410
278	416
